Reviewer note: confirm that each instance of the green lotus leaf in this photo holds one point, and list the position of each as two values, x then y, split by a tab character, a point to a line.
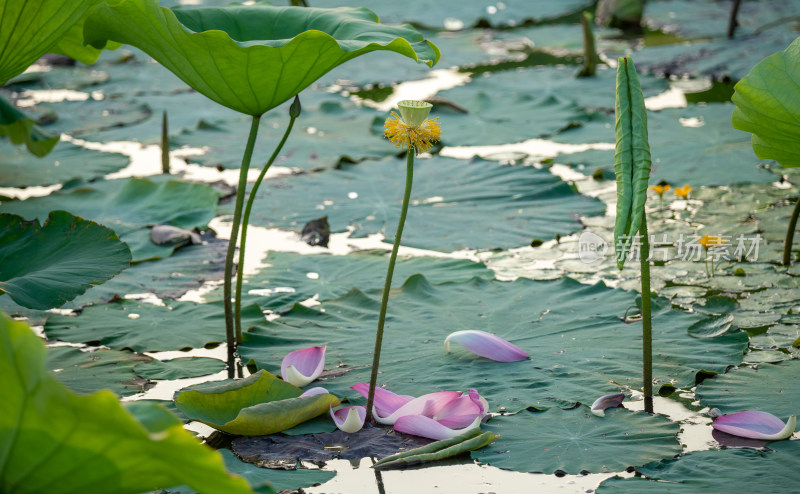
179	368
68	161
576	440
45	23
579	347
772	469
54	441
251	58
768	104
43	266
87	372
145	327
129	206
20	128
258	405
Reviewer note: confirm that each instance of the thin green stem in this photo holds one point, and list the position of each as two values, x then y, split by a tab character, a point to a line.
164	144
245	221
647	322
787	245
376	358
237	215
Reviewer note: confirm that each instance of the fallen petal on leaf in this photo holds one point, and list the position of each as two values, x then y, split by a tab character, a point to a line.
756	425
486	345
300	367
349	419
608	401
420	425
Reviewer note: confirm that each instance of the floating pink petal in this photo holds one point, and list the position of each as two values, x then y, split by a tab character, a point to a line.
300	367
420	425
608	401
756	425
349	419
486	345
386	402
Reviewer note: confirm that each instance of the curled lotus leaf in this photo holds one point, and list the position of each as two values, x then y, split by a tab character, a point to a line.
251	58
258	405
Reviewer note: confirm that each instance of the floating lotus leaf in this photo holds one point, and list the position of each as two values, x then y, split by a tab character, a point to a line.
455	14
128	206
251	58
767	104
44	266
85	372
291	278
169	278
47	433
706	471
67	161
144	327
455	204
579	347
258	405
576	440
770	388
179	368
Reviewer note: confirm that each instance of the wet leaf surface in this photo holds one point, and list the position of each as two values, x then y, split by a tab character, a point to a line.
376	441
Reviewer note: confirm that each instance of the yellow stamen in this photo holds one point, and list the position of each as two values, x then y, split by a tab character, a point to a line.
421	137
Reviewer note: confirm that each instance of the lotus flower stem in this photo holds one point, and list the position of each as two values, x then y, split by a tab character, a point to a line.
787	245
647	322
237	215
294	112
373	378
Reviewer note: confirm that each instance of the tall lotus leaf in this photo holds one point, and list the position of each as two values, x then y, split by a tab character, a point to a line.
43	266
631	158
251	58
258	405
30	29
768	106
54	441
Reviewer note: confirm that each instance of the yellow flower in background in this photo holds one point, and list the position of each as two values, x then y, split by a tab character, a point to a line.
411	129
709	241
660	188
683	192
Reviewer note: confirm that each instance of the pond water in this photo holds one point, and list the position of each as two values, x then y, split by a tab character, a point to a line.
501	215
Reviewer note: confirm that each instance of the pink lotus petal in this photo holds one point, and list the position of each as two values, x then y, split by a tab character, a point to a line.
427	405
349	419
486	345
756	425
386	402
318	390
300	367
471	404
608	401
419	425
